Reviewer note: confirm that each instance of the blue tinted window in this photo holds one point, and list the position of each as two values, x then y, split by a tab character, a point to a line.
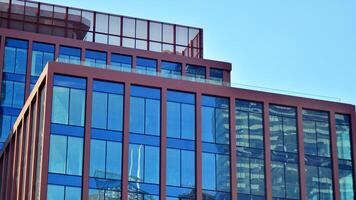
6	122
68	106
55	192
69	54
283	130
215	120
104	194
343	136
145	65
66	155
171	69
95	58
144	112
12	94
285	180
316	134
180	168
195	72
216	75
105	159
346	184
107	109
250	176
144	164
180	116
209	171
121	62
15	56
319	182
58	192
249	124
41	54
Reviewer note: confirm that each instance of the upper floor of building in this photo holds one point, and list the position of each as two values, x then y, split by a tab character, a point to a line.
101	27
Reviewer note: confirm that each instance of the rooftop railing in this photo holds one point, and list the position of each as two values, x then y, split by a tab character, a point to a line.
128	68
101	27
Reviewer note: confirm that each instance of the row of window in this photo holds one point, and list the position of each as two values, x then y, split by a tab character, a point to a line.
144	148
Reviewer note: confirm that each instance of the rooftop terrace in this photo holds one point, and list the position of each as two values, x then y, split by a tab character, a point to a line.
101	27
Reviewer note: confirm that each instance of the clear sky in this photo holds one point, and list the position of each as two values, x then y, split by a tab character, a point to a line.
306	46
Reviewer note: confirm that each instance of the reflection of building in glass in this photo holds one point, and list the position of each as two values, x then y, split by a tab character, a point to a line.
84	117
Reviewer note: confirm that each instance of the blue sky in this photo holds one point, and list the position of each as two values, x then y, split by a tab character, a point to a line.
297	45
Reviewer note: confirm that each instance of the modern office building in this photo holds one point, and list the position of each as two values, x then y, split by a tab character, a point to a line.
99	106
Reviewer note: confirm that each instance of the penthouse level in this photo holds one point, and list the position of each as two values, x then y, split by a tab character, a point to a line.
98	27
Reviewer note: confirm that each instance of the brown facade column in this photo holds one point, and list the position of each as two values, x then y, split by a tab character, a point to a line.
125	146
198	144
267	153
353	144
28	69
19	160
26	151
33	162
47	111
233	150
9	170
87	136
163	143
300	136
334	156
4	172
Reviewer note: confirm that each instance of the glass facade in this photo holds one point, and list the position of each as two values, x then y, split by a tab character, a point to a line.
13	84
66	147
180	167
195	72
250	150
284	157
318	166
95	58
41	54
106	140
121	62
215	147
144	156
343	135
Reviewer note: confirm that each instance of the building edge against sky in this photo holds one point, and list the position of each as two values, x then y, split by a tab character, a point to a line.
104	121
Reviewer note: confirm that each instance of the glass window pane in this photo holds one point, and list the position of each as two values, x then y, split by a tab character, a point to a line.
208	124
137	107
276	133
155	31
222	126
129	27
292	180
343	142
182	35
60	105
290	134
173	167
173	120
141	29
188	168
257	177
115	115
101	23
113	160
73	193
223	173
19	94
7	93
323	139
168	33
136	156
151	165
209	171
243	175
312	182
55	192
346	184
278	177
310	147
75	156
152	117
188	122
256	130
21	61
97	158
242	132
99	113
57	154
9	59
115	25
77	107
